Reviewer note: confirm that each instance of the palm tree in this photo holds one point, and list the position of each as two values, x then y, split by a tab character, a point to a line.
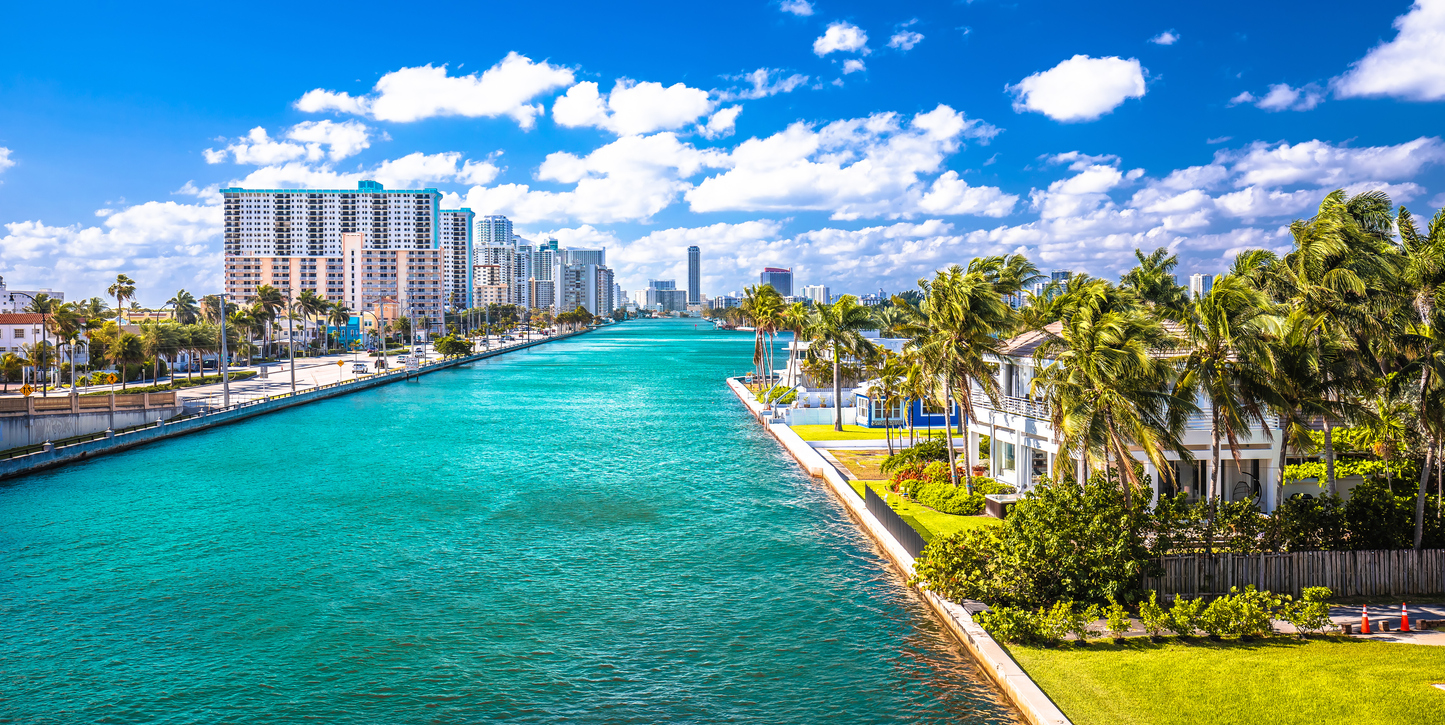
915	387
1227	364
65	324
268	303
157	339
127	348
1342	256
1108	385
794	319
889	387
838	330
958	327
1153	281
122	290
1296	382
339	315
313	306
1422	279
183	308
11	365
763	307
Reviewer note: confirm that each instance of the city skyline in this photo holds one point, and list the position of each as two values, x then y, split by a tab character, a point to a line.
861	145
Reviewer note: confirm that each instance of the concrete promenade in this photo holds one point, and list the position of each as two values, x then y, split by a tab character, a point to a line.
993	660
213	417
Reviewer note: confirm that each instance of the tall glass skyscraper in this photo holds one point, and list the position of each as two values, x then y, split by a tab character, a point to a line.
781	280
694	275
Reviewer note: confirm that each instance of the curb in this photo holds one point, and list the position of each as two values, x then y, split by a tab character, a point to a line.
1021	690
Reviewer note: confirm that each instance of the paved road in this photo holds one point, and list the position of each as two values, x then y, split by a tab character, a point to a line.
310	372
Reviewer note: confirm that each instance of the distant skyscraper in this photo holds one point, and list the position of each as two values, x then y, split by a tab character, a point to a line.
781	280
493	230
1060	275
694	275
662	283
1200	284
818	293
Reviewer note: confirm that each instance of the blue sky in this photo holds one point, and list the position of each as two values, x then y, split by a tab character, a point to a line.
864	144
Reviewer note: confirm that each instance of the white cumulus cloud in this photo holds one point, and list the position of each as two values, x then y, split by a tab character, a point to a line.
508	88
854	168
853	65
801	8
841	36
905	40
722	123
631	108
1080	89
1168	37
1282	97
5	160
1411	66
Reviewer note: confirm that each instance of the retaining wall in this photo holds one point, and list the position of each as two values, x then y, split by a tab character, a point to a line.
23	465
32	430
1025	694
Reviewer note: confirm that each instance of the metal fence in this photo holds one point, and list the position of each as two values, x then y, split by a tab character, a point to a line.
903	533
1346	573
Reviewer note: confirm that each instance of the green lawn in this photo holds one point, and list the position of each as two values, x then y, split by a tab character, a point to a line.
927	522
853	433
1279	680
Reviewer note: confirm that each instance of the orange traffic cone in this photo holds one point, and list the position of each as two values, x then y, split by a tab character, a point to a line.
1404	618
1365	621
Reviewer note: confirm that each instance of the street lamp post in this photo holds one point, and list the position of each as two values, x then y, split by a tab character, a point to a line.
291	337
225	378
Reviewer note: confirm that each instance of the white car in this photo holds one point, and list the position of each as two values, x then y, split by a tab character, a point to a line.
419	350
359	368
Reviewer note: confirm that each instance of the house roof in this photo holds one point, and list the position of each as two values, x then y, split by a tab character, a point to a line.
21	318
1025	344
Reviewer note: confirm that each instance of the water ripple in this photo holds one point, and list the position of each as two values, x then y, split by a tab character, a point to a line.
588	531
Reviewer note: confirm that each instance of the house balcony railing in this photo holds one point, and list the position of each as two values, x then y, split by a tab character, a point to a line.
1027	408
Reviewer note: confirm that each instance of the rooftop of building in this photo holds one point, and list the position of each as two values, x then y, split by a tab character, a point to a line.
362	187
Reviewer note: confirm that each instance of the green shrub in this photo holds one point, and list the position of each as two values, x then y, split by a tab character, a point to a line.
1312	612
1184	616
1153	616
1010	624
1116	618
779	395
920	454
1253	611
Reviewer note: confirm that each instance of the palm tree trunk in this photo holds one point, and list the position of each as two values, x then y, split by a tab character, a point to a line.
948	431
837	391
1283	453
1330	455
1213	478
1420	495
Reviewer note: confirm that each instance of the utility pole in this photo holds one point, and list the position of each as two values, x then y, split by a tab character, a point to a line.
225	379
291	338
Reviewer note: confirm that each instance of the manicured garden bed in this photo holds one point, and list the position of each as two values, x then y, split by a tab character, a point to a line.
177	384
1275	680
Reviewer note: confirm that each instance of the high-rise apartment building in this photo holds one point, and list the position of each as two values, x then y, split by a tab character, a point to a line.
817	293
583	256
359	245
1200	285
781	279
494	230
694	275
14	300
662	284
454	229
493	273
523	274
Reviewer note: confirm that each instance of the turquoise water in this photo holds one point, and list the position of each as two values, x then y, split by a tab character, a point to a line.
588	531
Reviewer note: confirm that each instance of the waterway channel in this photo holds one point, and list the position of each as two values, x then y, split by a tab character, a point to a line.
588	531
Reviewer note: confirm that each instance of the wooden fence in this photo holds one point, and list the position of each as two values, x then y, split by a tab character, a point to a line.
1346	573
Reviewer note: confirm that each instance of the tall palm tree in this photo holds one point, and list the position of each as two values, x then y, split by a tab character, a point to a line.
1300	396
1109	386
957	330
888	387
794	319
1152	279
1226	363
1422	279
838	330
183	308
122	289
268	303
126	349
313	307
339	315
762	306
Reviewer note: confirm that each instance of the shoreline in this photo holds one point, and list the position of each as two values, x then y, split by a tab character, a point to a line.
1022	692
25	465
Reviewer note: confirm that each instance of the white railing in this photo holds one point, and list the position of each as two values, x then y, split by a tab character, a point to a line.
1027	408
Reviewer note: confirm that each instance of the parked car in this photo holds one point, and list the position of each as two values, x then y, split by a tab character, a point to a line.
358	368
401	359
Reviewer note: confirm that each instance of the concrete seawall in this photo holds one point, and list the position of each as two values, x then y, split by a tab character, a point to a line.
27	464
1020	689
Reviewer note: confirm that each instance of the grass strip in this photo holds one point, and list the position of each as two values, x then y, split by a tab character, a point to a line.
1276	680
